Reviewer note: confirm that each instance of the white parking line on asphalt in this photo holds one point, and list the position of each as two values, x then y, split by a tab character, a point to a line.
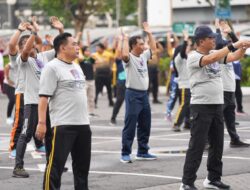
243	130
167	154
111	141
135	174
36	155
5	134
4	152
170	135
119	127
41	168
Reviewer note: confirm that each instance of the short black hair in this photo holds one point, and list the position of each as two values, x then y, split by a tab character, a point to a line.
133	41
20	42
60	40
100	45
84	48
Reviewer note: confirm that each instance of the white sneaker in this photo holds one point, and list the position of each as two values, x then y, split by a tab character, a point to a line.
9	121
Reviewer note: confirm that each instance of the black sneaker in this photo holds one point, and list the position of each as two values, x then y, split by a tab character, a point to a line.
113	121
187	187
186	126
215	185
157	102
111	104
176	128
238	144
65	169
20	173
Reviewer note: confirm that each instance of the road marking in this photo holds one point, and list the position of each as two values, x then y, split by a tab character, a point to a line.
135	174
171	135
41	169
36	155
5	134
107	127
4	152
111	141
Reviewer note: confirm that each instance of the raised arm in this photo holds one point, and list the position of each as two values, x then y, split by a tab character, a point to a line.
184	45
29	44
228	30
88	39
236	55
151	39
124	48
38	40
15	37
169	45
57	24
220	54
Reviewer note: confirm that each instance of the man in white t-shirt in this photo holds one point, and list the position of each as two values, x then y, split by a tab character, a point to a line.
206	110
64	83
138	114
32	63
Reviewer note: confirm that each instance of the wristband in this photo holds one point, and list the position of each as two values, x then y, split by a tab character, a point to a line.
34	33
41	123
20	30
231	47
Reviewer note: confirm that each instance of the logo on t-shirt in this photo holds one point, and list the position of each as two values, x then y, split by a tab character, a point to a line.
213	70
141	62
75	74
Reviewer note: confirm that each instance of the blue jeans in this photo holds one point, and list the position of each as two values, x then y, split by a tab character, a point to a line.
173	97
138	114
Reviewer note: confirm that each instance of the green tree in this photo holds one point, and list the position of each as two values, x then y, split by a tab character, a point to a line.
127	7
75	12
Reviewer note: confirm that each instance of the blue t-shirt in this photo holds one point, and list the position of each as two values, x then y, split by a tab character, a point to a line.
121	75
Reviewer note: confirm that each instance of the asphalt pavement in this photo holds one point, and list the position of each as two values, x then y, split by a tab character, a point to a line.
108	173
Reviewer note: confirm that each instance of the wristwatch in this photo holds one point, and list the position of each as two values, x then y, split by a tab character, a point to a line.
231	47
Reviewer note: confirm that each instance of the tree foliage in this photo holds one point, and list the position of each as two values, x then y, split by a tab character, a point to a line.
74	12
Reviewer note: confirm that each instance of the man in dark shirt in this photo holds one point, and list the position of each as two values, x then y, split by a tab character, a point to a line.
87	65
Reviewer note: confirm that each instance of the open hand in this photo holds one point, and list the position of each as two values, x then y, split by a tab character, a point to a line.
56	23
34	23
23	26
146	27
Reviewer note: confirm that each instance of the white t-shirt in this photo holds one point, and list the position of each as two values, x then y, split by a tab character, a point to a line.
228	77
32	69
137	71
65	84
205	82
181	66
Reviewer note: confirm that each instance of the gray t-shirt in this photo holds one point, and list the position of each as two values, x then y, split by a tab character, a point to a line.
65	85
228	77
19	75
137	71
181	66
12	75
32	69
205	82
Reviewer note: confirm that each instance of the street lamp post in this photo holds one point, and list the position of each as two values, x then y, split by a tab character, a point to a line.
10	3
118	12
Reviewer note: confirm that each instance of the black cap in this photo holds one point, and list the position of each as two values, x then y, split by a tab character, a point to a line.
204	32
